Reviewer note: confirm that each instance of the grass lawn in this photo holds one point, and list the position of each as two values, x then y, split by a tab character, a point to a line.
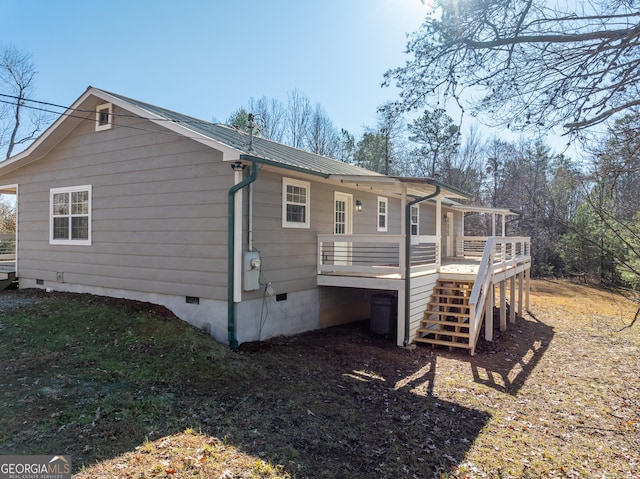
131	392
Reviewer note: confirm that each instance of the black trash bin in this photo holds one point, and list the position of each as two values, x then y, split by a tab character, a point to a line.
383	313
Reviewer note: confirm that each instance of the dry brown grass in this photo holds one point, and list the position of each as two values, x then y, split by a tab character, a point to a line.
556	395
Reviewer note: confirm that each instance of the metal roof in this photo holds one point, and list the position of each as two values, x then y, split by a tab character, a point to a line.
274	152
234	144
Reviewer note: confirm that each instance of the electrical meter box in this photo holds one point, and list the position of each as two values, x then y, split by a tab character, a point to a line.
251	270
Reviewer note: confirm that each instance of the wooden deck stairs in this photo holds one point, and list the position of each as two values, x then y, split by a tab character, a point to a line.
446	320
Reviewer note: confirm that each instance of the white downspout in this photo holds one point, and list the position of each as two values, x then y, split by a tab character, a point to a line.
250	200
237	246
403	228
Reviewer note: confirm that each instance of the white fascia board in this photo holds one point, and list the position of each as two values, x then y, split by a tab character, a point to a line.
485	209
30	154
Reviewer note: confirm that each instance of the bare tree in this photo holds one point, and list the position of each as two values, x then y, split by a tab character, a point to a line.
391	125
7	215
297	118
527	62
17	78
500	154
321	136
466	168
439	140
270	115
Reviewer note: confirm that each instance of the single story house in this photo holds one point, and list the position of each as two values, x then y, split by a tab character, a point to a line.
244	237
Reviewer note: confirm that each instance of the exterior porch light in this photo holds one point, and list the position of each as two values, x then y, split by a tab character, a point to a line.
358	206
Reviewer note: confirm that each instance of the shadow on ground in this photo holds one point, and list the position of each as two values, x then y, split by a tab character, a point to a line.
328	404
351	406
506	362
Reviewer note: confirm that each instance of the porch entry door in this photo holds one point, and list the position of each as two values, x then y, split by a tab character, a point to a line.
449	231
343	225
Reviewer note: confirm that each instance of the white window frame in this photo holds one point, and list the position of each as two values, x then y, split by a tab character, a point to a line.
348	212
415	223
385	201
286	182
70	215
100	110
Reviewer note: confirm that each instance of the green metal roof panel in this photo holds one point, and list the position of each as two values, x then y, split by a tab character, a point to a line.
275	152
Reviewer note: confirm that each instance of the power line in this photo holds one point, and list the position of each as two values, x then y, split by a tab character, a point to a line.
80	114
81	110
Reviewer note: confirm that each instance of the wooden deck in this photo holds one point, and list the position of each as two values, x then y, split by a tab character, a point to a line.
461	266
467	267
7	267
7	273
377	262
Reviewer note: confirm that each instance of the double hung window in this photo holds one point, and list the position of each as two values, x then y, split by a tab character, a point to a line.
295	203
70	221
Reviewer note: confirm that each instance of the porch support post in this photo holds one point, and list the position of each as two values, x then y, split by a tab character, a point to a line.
460	251
504	225
403	228
438	231
527	275
503	306
488	313
512	299
493	224
520	281
402	323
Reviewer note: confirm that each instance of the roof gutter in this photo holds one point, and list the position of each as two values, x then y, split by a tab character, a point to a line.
231	306
407	258
284	166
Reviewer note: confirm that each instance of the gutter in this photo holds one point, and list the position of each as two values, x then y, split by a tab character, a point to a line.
407	257
284	166
231	307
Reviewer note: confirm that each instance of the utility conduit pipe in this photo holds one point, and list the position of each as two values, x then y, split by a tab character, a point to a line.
231	252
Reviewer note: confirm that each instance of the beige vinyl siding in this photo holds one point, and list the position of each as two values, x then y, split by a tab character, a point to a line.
427	219
288	254
421	290
159	216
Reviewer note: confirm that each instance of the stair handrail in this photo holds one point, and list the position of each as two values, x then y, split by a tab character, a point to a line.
478	296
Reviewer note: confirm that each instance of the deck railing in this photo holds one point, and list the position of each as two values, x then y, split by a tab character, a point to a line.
7	246
375	254
500	255
470	246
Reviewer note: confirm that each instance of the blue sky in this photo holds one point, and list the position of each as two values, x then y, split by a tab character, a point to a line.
206	58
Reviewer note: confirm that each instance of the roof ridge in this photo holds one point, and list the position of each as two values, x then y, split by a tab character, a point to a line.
240	140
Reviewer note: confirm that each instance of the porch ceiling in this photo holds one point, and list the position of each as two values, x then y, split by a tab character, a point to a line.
486	209
393	186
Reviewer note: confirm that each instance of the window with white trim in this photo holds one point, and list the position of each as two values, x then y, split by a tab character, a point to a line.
415	217
383	208
295	203
70	221
104	116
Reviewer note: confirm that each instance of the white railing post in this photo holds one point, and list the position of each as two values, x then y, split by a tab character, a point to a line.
402	256
319	259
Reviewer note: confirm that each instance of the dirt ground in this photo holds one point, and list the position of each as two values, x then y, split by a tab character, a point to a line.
555	395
